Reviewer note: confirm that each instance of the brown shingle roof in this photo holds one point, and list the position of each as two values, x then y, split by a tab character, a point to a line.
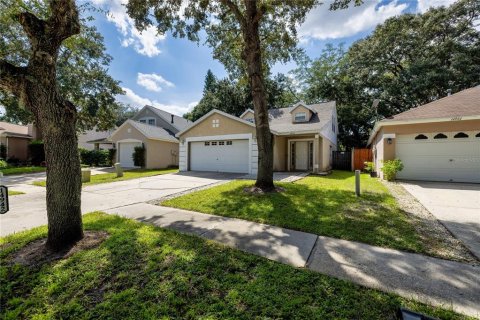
461	104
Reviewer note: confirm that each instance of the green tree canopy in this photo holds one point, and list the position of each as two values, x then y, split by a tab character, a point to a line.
82	66
407	61
234	97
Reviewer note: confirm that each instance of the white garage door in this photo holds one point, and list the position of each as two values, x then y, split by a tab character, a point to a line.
126	153
439	157
219	156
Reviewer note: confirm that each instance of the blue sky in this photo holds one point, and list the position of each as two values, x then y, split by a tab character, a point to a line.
169	73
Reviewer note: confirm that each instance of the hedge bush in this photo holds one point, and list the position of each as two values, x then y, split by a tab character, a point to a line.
111	156
3	151
390	168
139	156
3	164
37	152
94	158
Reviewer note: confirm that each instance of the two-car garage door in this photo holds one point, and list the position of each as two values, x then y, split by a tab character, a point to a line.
220	156
439	156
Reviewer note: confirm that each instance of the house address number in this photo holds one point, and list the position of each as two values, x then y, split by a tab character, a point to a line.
3	200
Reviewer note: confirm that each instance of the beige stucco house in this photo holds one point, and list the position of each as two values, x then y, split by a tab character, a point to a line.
304	138
153	128
438	141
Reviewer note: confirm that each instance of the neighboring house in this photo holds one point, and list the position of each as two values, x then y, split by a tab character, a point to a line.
16	139
438	141
95	140
153	128
304	138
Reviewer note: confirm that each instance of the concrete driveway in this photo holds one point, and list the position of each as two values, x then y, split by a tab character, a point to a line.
29	210
455	205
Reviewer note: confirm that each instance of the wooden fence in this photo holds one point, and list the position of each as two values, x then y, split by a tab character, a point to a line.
359	157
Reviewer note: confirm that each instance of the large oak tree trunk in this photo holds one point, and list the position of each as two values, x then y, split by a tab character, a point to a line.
57	120
253	58
35	85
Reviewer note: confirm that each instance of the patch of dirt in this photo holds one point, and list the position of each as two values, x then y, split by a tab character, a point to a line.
35	253
438	241
256	190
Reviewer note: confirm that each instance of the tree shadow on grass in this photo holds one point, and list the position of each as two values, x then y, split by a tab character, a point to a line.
373	218
145	272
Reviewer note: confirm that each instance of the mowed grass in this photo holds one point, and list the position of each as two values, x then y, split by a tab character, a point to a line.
21	170
320	205
145	272
112	177
14	193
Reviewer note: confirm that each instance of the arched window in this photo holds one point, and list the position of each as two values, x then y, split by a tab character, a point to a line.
461	135
421	137
477	135
440	136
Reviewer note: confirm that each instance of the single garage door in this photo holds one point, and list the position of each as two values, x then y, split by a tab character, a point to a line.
126	153
439	157
219	156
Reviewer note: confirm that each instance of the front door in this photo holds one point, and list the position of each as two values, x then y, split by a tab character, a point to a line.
301	155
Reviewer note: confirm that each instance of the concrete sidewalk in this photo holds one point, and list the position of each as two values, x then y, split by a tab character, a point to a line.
434	281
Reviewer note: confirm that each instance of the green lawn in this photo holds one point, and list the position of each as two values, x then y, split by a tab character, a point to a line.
14	193
111	177
21	170
145	272
320	205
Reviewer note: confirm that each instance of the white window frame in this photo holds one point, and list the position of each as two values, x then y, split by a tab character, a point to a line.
146	120
303	116
215	123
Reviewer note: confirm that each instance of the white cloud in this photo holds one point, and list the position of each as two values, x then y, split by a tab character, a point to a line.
138	102
145	43
153	81
322	24
424	5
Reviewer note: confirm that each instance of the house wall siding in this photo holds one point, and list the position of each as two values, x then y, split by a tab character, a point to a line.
327	147
449	126
161	154
159	121
280	156
158	153
123	134
248	115
327	130
226	126
17	148
301	109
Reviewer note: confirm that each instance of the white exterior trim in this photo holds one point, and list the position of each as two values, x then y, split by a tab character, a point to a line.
301	104
380	124
247	111
389	136
289	155
252	149
208	115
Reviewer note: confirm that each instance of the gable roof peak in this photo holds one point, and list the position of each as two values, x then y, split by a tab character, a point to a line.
247	111
301	104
